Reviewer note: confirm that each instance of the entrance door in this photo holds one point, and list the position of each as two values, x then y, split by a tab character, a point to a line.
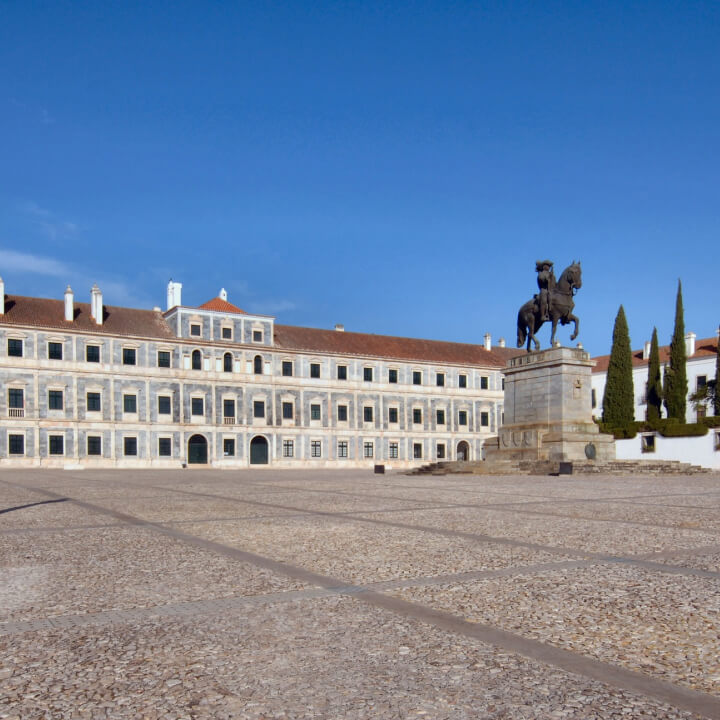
258	451
197	450
463	451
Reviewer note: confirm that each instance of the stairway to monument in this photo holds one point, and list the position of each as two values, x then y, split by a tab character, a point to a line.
550	467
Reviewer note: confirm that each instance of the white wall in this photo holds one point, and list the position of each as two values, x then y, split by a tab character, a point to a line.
695	450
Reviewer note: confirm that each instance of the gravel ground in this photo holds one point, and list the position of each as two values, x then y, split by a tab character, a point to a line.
543	608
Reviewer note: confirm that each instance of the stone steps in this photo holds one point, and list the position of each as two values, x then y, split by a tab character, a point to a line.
548	467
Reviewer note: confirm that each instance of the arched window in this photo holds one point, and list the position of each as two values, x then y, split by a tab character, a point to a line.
258	365
196	360
227	362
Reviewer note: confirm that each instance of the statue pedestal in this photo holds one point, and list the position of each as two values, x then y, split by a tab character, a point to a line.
548	410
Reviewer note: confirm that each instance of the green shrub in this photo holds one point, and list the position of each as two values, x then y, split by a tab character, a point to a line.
712	421
685	430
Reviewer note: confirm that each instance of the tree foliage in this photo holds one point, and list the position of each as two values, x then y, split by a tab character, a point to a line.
619	397
654	382
675	381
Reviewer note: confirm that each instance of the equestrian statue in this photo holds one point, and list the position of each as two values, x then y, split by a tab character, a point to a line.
554	303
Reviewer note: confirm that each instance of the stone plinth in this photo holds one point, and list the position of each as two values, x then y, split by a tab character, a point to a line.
548	410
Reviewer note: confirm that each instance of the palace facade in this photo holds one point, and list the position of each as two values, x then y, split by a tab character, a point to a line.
86	384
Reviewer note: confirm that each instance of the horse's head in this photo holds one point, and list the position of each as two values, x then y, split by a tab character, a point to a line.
573	275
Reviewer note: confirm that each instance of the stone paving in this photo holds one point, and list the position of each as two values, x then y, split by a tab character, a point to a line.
327	594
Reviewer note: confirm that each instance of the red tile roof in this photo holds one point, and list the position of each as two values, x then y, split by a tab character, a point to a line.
385	346
49	313
221	305
703	348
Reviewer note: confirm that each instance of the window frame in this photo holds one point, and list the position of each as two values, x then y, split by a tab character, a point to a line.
287	369
417	416
130	446
90	445
228	443
417	377
161	444
440	416
316	448
193	327
194	406
368	449
127	353
315	370
13	441
342	372
12	398
315	411
88	348
130	400
462	380
258	408
342	409
342	449
393	450
288	410
169	404
55	350
14	343
94	398
392	376
393	415
368	414
53	396
367	374
56	440
463	417
288	448
164	353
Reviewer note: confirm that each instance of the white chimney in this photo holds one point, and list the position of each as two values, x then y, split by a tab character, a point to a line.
339	328
69	307
488	341
174	294
690	343
96	304
223	294
2	296
501	342
646	349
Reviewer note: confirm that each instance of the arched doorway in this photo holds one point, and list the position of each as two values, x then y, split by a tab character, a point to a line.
197	450
258	451
463	451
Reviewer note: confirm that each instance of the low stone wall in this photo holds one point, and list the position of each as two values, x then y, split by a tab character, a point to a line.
704	450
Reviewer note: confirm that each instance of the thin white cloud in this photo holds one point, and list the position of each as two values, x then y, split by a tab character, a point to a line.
32	208
50	224
11	260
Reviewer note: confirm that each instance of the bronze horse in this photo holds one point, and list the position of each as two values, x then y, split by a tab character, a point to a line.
560	307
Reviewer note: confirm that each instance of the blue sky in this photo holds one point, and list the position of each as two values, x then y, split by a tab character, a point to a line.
396	167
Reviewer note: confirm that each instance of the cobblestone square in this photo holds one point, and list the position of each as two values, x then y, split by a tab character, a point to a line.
326	594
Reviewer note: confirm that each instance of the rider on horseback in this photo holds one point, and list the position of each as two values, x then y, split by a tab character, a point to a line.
546	283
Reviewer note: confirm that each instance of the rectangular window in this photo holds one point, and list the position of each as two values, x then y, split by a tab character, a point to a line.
462	417
163	404
368	448
417	416
462	381
392	415
15	347
259	409
130	403
314	412
483	382
257	336
393	451
164	447
229	409
315	448
647	443
342	372
55	351
417	451
195	330
93	402
94	445
16	444
227	335
367	414
197	406
57	444
55	400
417	377
502	384
129	356
130	446
163	359
342	449
228	447
287	411
484	419
314	370
392	375
16	398
440	379
367	374
440	417
342	413
440	451
92	353
700	382
288	448
287	368
593	398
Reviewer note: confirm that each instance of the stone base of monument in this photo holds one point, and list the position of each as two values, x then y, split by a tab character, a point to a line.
548	411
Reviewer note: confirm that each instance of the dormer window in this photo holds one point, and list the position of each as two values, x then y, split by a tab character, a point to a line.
257	336
195	330
227	333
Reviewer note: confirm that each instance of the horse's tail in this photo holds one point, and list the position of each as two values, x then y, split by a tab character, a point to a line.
522	329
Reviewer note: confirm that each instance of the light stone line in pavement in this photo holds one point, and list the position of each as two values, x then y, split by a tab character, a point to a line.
214	606
480	537
57	528
615	676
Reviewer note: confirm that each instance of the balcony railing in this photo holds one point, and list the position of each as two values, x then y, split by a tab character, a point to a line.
228	421
16	412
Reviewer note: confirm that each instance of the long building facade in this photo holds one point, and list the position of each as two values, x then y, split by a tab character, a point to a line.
90	385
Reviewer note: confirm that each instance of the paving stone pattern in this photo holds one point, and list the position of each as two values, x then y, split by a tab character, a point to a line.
319	594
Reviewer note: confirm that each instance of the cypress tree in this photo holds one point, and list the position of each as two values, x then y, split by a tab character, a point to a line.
654	383
619	397
676	386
